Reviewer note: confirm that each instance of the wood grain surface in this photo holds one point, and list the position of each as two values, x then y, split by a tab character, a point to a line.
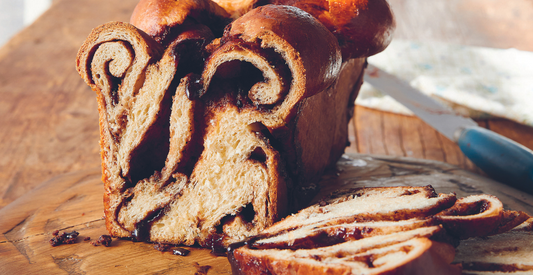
73	202
48	115
49	120
377	132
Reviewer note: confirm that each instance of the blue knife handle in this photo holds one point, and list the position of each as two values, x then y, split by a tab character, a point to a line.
499	157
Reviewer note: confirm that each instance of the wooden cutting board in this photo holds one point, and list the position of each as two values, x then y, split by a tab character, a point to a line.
74	202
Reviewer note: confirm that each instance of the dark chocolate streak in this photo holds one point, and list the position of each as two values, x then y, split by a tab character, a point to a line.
467	209
321	238
115	83
250	75
141	233
194	87
215	242
180	251
144	161
235	268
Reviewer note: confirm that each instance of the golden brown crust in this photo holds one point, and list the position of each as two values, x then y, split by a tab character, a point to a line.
236	8
473	216
362	27
313	57
282	26
510	219
158	18
142	44
324	119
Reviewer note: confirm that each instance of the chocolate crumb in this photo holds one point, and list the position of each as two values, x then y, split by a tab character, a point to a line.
55	241
87	238
180	251
105	240
63	238
161	247
70	238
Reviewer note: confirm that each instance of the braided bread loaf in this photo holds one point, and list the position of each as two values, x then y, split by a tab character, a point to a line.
216	116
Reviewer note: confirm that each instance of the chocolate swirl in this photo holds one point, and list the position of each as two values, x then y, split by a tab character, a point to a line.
184	114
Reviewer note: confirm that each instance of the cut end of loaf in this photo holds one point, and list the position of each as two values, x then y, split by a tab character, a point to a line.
202	137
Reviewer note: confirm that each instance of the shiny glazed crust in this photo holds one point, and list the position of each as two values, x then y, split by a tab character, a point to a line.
362	27
161	18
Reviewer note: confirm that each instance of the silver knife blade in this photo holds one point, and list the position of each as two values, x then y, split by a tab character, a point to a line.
440	117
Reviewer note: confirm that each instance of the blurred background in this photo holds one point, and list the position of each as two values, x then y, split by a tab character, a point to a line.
496	23
16	14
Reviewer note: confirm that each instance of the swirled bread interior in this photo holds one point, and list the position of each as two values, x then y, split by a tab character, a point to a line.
210	139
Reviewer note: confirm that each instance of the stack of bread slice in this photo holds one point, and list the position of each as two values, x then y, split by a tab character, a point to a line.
380	230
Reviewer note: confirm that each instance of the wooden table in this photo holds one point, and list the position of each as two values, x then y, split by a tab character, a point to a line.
49	120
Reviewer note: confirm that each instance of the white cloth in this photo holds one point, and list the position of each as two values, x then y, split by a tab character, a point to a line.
478	82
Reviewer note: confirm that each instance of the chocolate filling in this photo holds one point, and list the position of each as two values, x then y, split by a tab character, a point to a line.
114	83
215	241
248	213
468	209
258	154
180	251
194	87
151	154
141	233
242	76
319	239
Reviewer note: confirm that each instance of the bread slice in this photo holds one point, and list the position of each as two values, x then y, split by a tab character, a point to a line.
204	139
368	204
506	253
406	252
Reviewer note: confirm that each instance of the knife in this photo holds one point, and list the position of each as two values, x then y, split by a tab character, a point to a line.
499	157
